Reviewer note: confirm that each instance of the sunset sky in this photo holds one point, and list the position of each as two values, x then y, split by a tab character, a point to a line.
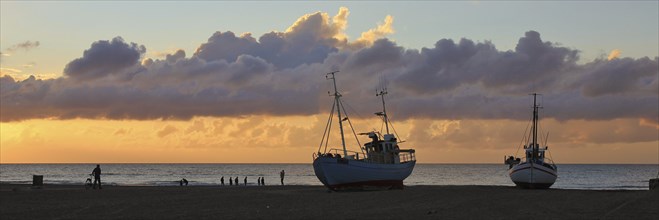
244	82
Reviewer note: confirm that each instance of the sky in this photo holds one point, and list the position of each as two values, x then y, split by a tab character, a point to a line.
244	82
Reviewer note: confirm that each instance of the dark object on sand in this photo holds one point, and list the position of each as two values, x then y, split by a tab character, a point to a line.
183	181
88	182
654	183
37	181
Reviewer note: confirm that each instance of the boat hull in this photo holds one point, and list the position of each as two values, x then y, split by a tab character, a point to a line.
339	174
532	176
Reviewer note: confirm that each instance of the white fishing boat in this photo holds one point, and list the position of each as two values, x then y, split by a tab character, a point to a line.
535	170
380	164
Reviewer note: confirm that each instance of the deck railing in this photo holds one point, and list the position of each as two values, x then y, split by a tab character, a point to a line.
546	160
404	156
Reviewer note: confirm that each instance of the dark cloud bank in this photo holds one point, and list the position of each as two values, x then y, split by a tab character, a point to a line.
282	73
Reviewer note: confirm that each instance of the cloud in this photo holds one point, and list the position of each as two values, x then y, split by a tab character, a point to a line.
311	39
197	126
167	130
105	58
27	45
620	77
122	131
615	53
282	74
29	65
507	134
367	38
10	70
163	54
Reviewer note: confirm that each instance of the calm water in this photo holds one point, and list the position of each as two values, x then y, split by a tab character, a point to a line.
571	176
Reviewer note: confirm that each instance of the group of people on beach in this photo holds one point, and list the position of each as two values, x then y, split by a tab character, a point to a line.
260	181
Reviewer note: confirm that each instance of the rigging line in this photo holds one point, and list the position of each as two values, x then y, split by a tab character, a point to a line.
392	127
550	157
540	131
351	109
522	141
530	137
352	128
330	127
326	127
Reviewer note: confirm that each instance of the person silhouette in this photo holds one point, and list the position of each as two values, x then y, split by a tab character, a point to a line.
258	181
262	181
282	174
222	180
97	176
230	181
245	181
236	181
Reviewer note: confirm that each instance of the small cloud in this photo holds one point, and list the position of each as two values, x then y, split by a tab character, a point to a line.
167	130
197	126
27	45
104	58
147	62
29	65
121	131
10	70
380	31
615	53
163	54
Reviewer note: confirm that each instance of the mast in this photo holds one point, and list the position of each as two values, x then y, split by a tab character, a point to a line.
535	127
337	102
384	108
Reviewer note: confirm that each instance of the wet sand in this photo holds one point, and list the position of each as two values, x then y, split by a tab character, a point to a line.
315	202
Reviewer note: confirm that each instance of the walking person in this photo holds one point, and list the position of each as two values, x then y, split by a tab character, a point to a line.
97	176
230	181
245	181
222	180
262	181
282	174
236	181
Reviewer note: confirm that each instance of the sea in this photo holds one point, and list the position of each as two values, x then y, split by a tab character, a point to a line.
570	176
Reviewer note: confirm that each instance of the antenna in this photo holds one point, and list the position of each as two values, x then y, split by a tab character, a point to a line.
383	92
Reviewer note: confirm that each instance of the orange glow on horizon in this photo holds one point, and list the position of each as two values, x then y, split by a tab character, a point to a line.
265	139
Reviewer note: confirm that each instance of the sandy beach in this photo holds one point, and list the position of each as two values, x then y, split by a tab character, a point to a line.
306	202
